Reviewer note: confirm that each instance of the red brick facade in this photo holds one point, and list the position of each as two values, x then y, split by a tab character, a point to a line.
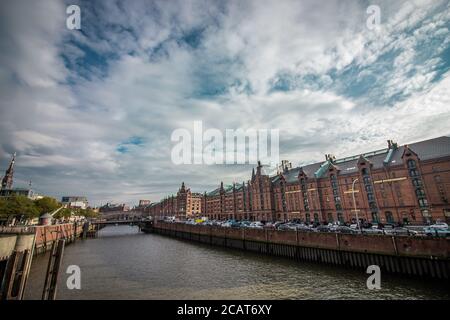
397	184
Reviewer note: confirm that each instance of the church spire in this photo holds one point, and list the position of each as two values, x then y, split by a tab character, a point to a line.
7	180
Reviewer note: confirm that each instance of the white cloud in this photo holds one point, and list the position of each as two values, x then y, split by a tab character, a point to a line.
67	132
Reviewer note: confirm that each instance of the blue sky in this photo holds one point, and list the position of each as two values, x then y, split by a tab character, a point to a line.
90	112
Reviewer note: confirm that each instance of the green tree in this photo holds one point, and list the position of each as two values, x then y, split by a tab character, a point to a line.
18	206
89	213
63	213
47	205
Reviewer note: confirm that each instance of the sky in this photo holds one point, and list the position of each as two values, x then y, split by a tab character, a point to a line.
90	112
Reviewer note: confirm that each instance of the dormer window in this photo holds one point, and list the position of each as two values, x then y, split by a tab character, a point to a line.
411	164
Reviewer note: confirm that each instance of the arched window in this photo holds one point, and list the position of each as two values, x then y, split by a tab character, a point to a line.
316	217
340	217
389	217
420	192
375	217
411	164
330	217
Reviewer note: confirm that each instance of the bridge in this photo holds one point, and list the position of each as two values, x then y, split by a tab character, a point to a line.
91	228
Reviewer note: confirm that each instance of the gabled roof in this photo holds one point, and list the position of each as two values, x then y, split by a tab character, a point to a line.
428	149
215	192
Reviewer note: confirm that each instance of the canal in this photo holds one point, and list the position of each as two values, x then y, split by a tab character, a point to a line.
125	264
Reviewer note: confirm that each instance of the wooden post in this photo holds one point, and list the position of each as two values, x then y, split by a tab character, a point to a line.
25	270
51	277
10	273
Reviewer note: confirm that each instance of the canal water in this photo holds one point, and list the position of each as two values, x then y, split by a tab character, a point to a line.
125	264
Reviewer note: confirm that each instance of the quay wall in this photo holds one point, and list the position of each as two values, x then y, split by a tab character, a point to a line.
414	256
45	236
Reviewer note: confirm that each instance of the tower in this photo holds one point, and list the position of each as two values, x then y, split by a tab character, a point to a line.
7	180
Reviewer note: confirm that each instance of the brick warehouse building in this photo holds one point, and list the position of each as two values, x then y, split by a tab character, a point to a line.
185	204
407	184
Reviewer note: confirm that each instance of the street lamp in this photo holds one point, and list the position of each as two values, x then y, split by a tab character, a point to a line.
354	203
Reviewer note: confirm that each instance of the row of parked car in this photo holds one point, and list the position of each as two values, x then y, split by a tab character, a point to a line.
439	229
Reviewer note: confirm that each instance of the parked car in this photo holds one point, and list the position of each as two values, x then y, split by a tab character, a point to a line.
286	226
256	225
345	229
245	224
372	231
437	230
400	231
439	225
322	228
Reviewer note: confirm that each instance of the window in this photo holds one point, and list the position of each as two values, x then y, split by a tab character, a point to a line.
389	217
370	197
423	202
411	164
405	217
330	217
365	172
366	180
420	192
437	179
316	217
417	182
341	217
413	173
375	217
369	188
426	216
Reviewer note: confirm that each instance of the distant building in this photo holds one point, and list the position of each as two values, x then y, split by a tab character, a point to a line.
75	202
144	203
185	204
29	193
7	181
7	190
111	207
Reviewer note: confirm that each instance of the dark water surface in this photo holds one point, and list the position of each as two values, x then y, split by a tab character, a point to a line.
125	264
